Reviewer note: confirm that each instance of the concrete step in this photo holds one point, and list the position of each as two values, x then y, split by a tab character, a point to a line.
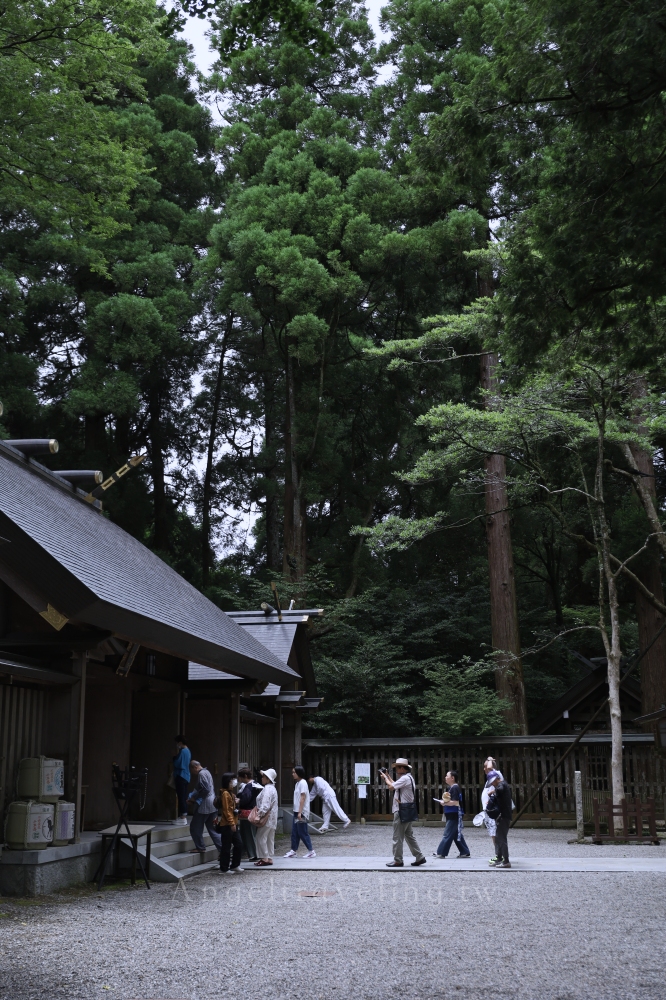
170	859
181	862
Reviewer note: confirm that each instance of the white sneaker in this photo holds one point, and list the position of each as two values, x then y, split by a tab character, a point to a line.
323	829
348	823
310	854
237	871
290	854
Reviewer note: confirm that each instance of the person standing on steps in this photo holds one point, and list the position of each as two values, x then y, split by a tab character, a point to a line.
267	809
299	827
228	827
500	804
181	777
453	810
404	813
329	802
205	811
248	792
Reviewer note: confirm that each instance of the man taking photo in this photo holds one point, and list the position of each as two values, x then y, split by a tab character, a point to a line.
404	813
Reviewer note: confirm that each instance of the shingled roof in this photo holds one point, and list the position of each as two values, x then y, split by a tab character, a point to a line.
67	559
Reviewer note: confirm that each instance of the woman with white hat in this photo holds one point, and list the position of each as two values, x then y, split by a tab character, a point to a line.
267	810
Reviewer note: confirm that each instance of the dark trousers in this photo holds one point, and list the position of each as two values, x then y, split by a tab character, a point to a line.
246	831
197	824
299	831
501	846
230	839
450	835
182	788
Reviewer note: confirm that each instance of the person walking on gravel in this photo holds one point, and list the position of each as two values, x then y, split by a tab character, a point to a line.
501	805
453	809
266	806
404	813
299	827
329	802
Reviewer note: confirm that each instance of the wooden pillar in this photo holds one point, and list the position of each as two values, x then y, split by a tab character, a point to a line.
234	731
75	742
278	751
298	740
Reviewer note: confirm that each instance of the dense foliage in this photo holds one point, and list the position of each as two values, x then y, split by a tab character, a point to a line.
285	309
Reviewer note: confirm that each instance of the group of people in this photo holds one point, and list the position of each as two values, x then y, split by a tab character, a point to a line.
497	806
244	816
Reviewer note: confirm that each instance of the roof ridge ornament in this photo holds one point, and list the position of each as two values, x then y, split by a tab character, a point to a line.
99	492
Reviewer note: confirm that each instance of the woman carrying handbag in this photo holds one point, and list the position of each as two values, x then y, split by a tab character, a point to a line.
264	818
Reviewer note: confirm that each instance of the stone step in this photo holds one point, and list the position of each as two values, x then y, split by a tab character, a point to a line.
182	862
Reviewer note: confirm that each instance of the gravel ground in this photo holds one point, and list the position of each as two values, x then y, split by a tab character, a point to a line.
372	936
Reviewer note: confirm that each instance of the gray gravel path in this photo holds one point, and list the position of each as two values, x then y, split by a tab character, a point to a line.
372	936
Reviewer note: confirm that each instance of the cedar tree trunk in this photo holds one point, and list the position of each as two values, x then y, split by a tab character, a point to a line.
503	606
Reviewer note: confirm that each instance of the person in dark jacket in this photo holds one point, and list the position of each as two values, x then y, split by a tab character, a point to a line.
500	794
228	827
248	790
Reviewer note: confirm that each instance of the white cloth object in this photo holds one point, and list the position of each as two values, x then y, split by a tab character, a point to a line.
322	789
330	805
264	839
404	785
267	802
478	819
302	789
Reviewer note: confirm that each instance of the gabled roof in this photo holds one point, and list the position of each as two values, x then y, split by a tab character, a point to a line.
591	684
279	634
60	553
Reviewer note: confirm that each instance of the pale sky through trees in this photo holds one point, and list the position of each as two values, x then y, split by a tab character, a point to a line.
196	28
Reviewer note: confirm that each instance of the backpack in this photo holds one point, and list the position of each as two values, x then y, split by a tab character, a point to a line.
493	810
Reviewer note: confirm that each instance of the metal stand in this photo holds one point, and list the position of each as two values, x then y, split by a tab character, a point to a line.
127	784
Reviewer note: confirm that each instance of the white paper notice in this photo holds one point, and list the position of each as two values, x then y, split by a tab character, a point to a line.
361	774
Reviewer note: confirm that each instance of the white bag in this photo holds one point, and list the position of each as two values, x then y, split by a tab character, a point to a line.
478	819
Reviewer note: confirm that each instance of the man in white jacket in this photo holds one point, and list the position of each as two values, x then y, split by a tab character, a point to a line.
329	802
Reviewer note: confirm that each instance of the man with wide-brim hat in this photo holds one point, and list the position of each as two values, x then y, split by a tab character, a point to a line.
404	813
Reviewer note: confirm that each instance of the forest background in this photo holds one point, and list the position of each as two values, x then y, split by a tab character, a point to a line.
388	324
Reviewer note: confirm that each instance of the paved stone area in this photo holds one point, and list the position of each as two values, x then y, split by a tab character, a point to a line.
378	864
352	935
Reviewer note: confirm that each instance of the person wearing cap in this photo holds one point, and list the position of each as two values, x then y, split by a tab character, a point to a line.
501	793
491	772
205	811
404	794
267	805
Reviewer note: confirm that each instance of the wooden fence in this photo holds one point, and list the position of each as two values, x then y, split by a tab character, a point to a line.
524	762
